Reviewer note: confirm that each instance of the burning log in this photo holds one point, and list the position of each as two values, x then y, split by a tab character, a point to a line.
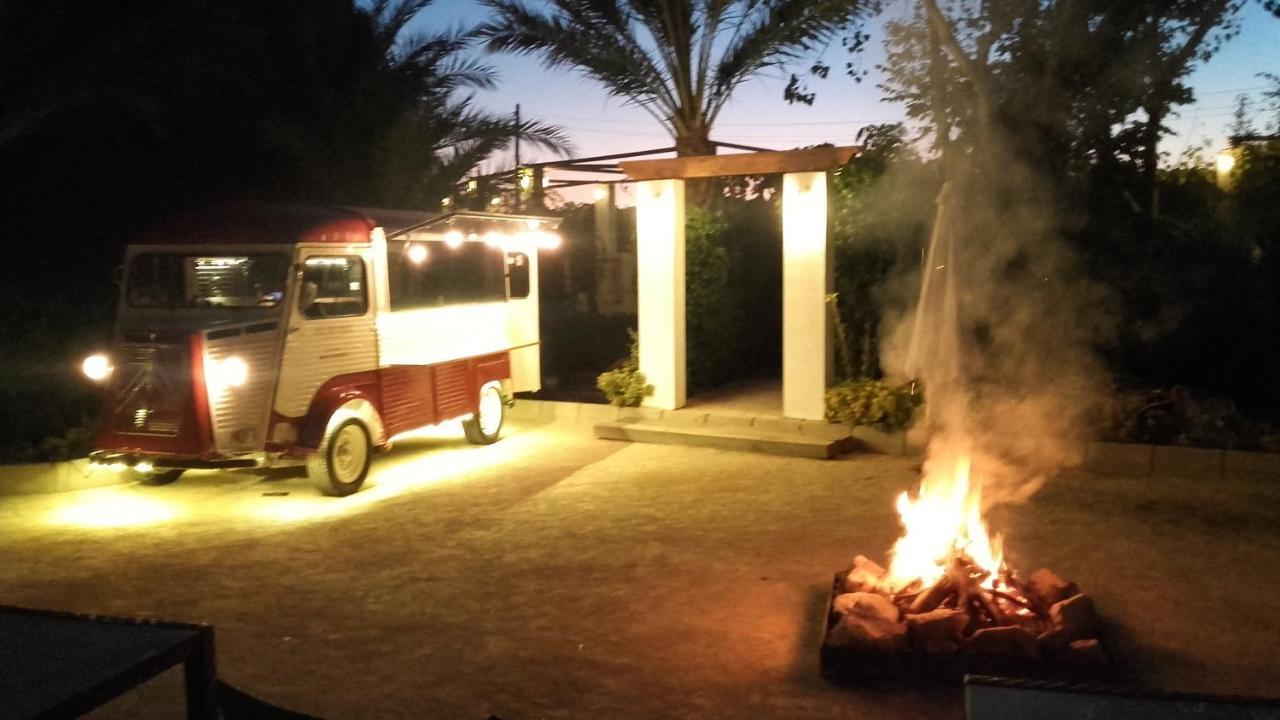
1048	588
868	621
865	576
932	597
1006	641
938	631
948	602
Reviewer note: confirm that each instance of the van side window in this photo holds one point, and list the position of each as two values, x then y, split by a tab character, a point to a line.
517	275
333	286
433	274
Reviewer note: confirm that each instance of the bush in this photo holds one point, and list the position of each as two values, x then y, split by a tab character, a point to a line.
874	403
625	385
1176	417
712	320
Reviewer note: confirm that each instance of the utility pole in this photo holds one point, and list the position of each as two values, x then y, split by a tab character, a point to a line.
519	190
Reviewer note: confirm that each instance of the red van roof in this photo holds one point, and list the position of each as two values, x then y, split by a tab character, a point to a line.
261	223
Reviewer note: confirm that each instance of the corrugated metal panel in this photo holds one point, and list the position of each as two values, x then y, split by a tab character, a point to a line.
407	397
239	414
319	350
454	395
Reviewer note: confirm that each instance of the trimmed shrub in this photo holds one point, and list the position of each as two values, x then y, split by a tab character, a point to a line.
873	403
625	385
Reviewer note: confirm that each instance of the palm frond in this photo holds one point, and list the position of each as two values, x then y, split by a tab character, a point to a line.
774	33
592	36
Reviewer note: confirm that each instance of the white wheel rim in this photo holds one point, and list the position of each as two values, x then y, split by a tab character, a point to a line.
350	451
490	411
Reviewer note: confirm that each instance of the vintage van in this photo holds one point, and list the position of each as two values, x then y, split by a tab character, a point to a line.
263	335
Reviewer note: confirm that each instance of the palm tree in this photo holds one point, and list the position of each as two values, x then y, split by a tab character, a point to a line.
434	134
678	59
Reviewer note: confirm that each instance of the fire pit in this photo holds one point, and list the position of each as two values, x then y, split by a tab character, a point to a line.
948	604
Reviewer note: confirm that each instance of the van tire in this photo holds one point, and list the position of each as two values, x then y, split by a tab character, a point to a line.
340	465
158	477
483	427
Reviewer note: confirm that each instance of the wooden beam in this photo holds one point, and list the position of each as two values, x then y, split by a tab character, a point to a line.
760	163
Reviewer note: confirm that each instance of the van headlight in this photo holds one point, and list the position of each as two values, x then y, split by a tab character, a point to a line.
228	373
96	367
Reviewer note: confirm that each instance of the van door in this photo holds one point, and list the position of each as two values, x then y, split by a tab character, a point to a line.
522	320
331	324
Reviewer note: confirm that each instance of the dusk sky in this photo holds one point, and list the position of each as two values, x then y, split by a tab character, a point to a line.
758	116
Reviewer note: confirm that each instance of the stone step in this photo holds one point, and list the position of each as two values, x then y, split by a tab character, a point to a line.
728	436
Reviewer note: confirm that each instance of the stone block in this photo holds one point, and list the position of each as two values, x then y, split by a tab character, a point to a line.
777	425
872	440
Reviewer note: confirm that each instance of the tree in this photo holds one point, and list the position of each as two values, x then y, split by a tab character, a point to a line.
1272	94
1241	120
680	60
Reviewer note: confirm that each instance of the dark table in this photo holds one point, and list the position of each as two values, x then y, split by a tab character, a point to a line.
61	665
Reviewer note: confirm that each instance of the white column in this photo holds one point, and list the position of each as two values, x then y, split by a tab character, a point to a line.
660	295
806	280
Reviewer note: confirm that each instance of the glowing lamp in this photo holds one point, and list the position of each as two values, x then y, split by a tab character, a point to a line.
548	241
453	238
601	194
96	367
446	201
495	201
1226	162
417	253
228	373
144	467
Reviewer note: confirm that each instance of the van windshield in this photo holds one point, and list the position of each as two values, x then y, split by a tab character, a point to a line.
172	280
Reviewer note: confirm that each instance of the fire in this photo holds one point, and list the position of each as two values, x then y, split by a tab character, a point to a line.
943	520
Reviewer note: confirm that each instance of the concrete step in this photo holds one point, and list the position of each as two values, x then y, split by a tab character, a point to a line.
727	436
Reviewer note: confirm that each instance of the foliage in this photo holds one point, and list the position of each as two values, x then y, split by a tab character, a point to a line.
880	204
712	317
1175	416
680	61
113	115
874	403
625	385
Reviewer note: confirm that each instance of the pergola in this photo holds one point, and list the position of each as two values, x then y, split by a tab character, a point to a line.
660	259
806	268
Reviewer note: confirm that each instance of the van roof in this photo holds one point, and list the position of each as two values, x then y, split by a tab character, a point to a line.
256	223
253	223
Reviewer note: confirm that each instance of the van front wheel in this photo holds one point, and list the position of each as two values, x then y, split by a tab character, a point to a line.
483	427
341	463
158	477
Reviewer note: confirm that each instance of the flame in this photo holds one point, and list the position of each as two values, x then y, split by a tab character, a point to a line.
943	519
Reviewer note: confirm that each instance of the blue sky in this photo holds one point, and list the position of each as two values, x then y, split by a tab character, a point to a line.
758	116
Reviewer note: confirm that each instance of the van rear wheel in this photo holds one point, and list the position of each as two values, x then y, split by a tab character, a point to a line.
483	427
341	463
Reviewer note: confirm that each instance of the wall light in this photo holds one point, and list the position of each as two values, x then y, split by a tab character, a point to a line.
417	253
453	238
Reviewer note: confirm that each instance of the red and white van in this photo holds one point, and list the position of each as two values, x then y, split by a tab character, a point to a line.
262	335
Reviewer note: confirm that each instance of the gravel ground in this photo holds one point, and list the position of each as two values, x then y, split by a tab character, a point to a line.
556	576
